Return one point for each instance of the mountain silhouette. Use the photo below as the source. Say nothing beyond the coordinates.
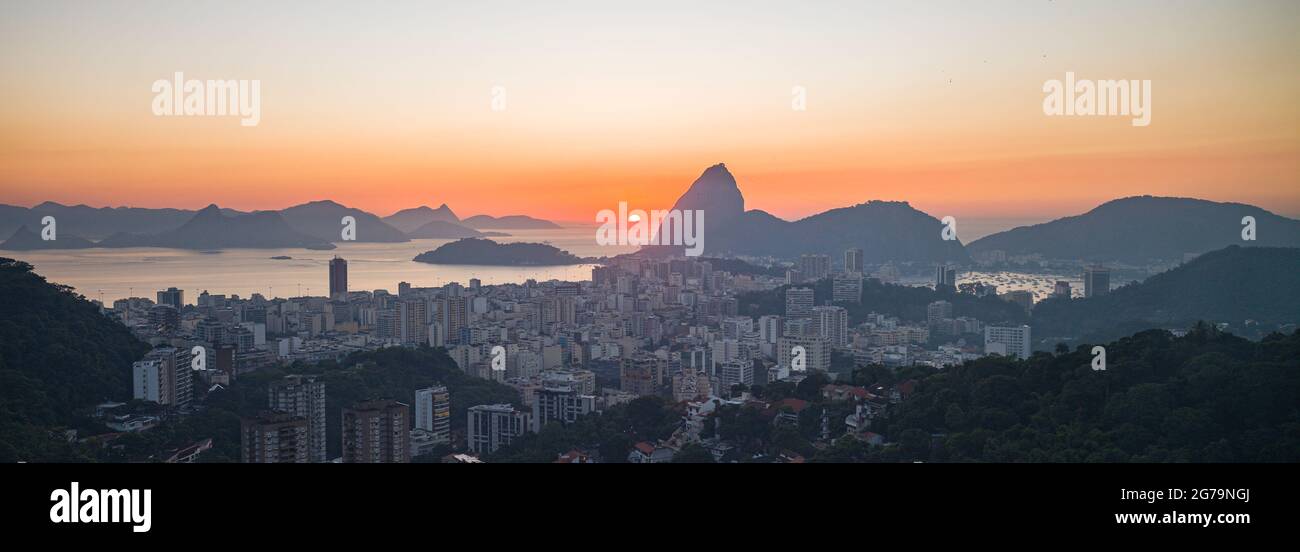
(1141, 228)
(509, 222)
(96, 223)
(25, 239)
(322, 220)
(407, 220)
(211, 229)
(885, 231)
(441, 229)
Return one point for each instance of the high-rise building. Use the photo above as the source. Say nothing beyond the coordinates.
(273, 438)
(936, 313)
(1096, 281)
(413, 320)
(377, 432)
(798, 302)
(847, 288)
(1007, 341)
(492, 426)
(853, 260)
(1062, 289)
(452, 315)
(769, 328)
(736, 372)
(172, 297)
(833, 324)
(816, 352)
(338, 276)
(945, 278)
(164, 376)
(303, 397)
(433, 412)
(814, 267)
(560, 400)
(164, 319)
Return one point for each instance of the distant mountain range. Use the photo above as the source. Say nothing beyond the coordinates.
(884, 230)
(314, 225)
(1137, 229)
(211, 229)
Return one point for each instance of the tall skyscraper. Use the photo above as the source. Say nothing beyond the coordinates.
(338, 276)
(853, 260)
(833, 324)
(433, 412)
(847, 288)
(1007, 341)
(1096, 281)
(304, 397)
(798, 302)
(1062, 289)
(273, 438)
(377, 432)
(945, 278)
(172, 297)
(492, 426)
(452, 315)
(164, 376)
(413, 320)
(814, 267)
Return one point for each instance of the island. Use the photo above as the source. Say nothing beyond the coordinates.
(476, 251)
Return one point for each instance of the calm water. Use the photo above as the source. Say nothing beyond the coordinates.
(113, 274)
(141, 271)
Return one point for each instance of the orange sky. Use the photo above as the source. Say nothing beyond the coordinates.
(388, 107)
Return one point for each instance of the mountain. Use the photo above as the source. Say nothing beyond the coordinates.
(1137, 229)
(716, 193)
(25, 239)
(1208, 396)
(1231, 285)
(884, 230)
(441, 229)
(58, 358)
(210, 229)
(96, 223)
(509, 222)
(322, 220)
(487, 252)
(407, 220)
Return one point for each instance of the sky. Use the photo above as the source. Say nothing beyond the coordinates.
(389, 105)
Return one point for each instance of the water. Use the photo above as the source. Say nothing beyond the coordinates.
(113, 274)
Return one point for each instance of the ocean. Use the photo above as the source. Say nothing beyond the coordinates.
(111, 274)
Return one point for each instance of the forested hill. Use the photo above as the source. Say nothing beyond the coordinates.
(58, 358)
(1205, 397)
(1232, 285)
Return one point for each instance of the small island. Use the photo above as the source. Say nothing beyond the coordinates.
(475, 251)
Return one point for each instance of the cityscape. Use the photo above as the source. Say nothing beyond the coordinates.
(982, 266)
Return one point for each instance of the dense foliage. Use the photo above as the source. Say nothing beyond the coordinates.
(1208, 396)
(58, 358)
(1232, 285)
